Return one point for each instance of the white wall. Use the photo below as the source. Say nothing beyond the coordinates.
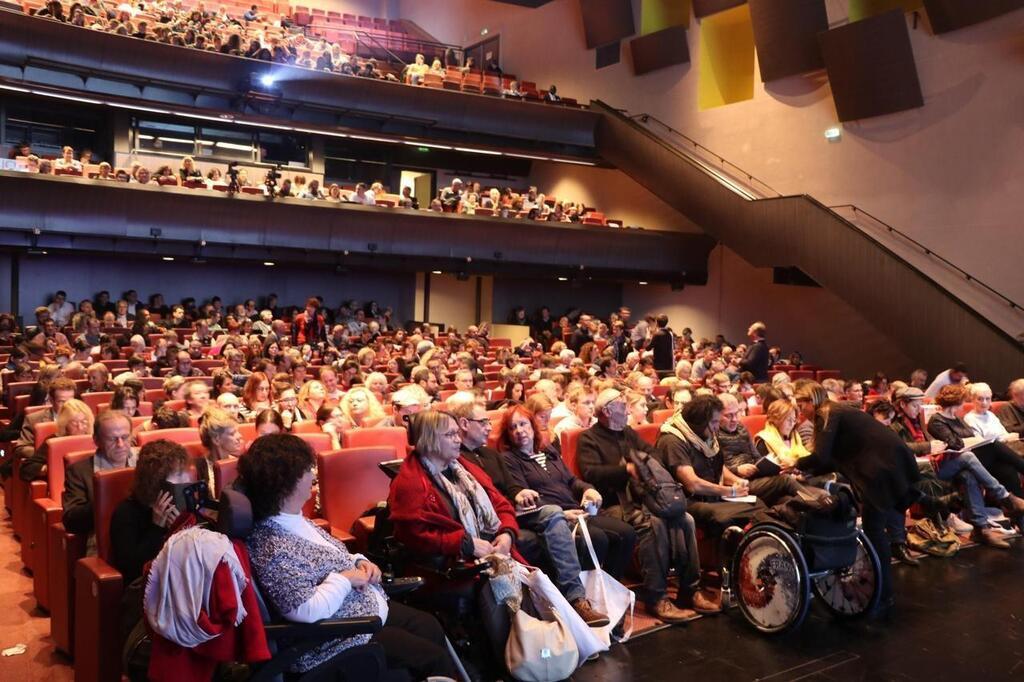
(948, 173)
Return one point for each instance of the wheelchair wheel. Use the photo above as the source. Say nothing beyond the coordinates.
(770, 580)
(852, 591)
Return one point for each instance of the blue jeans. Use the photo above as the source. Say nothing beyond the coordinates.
(555, 536)
(967, 469)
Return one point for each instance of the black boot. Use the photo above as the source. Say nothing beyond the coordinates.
(902, 555)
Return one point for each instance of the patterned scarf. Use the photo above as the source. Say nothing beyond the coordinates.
(678, 427)
(476, 513)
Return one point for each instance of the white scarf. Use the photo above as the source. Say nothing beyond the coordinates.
(179, 583)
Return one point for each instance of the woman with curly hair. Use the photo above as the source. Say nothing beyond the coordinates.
(140, 523)
(361, 408)
(306, 575)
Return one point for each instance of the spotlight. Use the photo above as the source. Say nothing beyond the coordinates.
(267, 80)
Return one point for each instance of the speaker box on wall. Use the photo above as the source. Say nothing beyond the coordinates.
(871, 67)
(659, 49)
(786, 36)
(949, 15)
(703, 8)
(605, 21)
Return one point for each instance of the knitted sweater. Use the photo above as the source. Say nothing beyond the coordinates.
(288, 569)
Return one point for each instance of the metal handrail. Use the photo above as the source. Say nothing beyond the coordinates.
(929, 252)
(645, 118)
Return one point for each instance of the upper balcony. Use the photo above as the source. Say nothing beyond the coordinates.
(36, 51)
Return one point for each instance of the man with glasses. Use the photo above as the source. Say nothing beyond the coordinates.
(604, 460)
(544, 530)
(113, 451)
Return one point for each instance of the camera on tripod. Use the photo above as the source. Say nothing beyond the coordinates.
(232, 174)
(273, 175)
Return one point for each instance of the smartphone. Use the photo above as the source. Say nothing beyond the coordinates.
(188, 497)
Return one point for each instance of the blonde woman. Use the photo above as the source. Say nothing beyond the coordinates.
(74, 419)
(361, 408)
(188, 170)
(219, 434)
(377, 383)
(312, 397)
(636, 407)
(779, 439)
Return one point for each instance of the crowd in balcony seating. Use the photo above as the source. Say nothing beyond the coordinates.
(459, 197)
(491, 473)
(275, 39)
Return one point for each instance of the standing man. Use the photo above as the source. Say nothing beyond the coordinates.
(756, 361)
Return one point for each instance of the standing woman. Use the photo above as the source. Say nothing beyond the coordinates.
(874, 459)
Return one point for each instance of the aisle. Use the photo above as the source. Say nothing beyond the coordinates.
(22, 623)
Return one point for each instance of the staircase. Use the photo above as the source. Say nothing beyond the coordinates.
(935, 312)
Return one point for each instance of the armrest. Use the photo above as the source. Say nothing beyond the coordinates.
(97, 625)
(325, 629)
(342, 535)
(36, 489)
(396, 587)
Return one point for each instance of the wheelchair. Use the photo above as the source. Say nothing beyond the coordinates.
(776, 566)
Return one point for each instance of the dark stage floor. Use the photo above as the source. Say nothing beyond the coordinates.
(958, 619)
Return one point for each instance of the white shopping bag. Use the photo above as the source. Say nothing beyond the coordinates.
(605, 593)
(546, 598)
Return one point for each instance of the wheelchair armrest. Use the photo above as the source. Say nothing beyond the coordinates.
(324, 629)
(462, 571)
(396, 587)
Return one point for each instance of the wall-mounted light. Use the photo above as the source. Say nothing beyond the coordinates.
(268, 263)
(168, 258)
(642, 283)
(834, 134)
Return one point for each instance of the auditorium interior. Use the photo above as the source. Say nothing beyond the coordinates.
(261, 261)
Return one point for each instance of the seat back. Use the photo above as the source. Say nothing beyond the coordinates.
(394, 436)
(93, 400)
(351, 482)
(754, 423)
(248, 432)
(224, 472)
(44, 430)
(185, 435)
(568, 439)
(320, 442)
(648, 432)
(58, 448)
(306, 427)
(110, 488)
(661, 416)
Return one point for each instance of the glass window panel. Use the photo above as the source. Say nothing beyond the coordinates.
(284, 149)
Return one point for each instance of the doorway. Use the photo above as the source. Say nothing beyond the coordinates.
(422, 184)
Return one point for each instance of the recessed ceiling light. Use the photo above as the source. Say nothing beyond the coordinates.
(268, 263)
(168, 258)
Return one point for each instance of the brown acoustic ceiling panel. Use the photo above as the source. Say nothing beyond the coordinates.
(949, 15)
(871, 67)
(703, 8)
(659, 49)
(786, 36)
(605, 21)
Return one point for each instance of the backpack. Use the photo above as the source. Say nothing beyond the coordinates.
(927, 537)
(661, 494)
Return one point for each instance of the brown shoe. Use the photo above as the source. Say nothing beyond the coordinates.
(991, 537)
(707, 600)
(591, 617)
(1013, 505)
(668, 612)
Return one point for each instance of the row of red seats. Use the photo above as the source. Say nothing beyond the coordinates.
(83, 594)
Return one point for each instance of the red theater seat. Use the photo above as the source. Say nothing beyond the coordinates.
(183, 435)
(569, 440)
(379, 436)
(99, 587)
(351, 483)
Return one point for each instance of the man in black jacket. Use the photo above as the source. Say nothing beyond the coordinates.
(756, 361)
(113, 451)
(603, 459)
(61, 390)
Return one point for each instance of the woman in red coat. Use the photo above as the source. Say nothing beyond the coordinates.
(444, 506)
(447, 511)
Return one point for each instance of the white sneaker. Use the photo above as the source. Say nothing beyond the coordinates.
(959, 526)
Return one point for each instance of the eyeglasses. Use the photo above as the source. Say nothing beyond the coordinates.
(453, 435)
(481, 421)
